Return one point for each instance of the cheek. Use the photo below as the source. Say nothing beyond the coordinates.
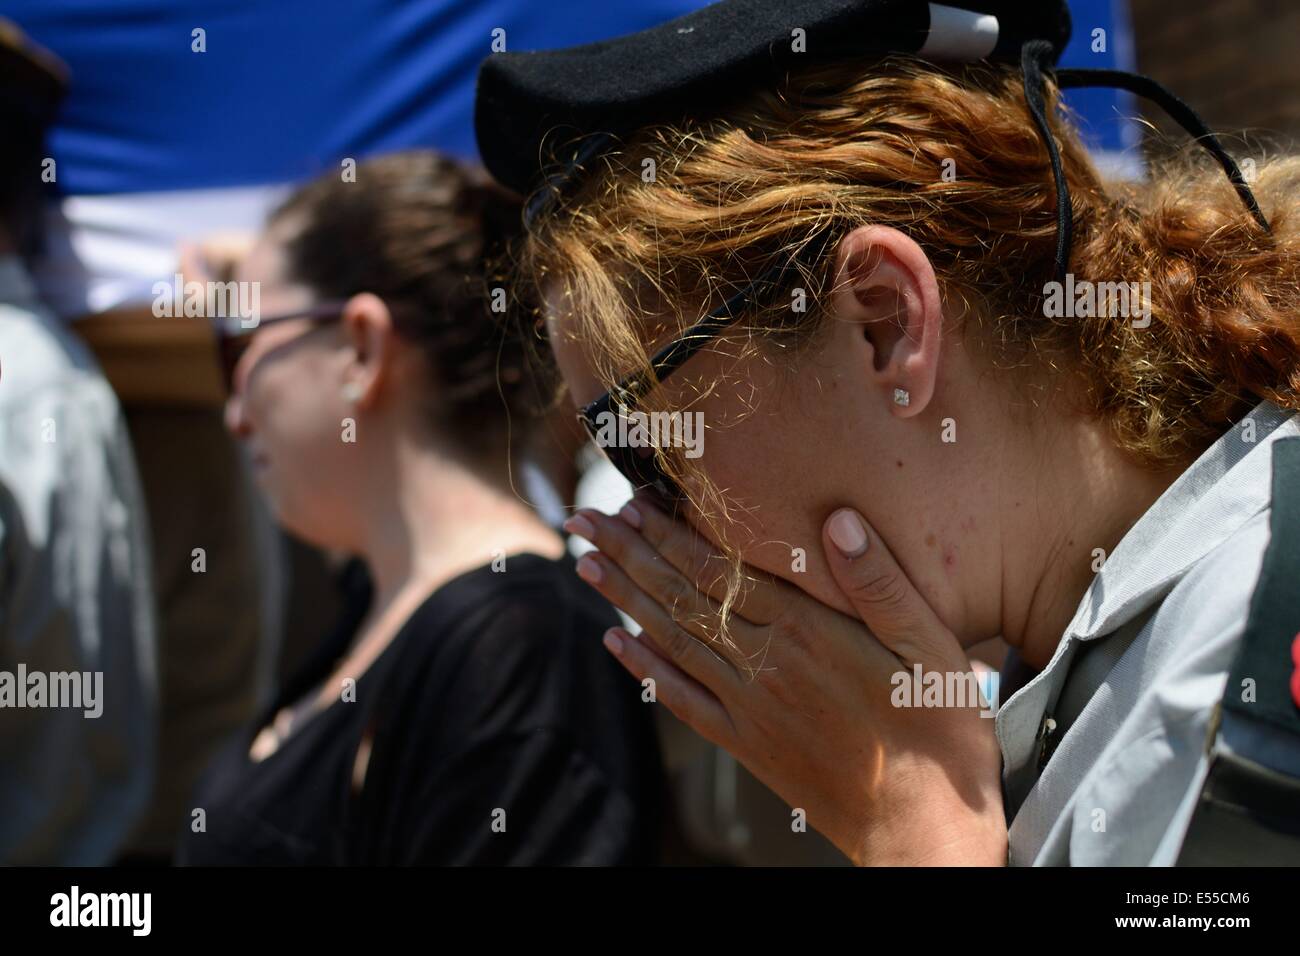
(298, 426)
(775, 502)
(289, 405)
(785, 469)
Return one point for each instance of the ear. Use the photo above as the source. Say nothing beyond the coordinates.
(368, 329)
(885, 286)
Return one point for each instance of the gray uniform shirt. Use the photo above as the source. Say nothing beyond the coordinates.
(75, 596)
(1140, 668)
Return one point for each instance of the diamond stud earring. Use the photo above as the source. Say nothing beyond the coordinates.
(902, 397)
(351, 392)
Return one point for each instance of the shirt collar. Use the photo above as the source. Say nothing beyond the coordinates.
(1221, 491)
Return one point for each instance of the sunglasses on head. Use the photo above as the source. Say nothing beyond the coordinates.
(639, 464)
(233, 338)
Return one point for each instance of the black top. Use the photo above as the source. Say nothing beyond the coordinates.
(495, 708)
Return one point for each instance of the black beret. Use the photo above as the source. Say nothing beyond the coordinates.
(33, 81)
(530, 103)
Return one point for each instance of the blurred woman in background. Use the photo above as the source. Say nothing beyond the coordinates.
(464, 712)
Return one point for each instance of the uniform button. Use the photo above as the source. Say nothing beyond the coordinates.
(1048, 746)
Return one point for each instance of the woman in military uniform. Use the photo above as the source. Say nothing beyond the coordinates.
(915, 441)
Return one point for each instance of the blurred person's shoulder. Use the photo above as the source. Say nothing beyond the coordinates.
(515, 654)
(519, 627)
(502, 696)
(65, 457)
(41, 358)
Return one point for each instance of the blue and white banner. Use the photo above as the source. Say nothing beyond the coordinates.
(189, 117)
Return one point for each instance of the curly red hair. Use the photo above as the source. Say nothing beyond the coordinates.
(842, 146)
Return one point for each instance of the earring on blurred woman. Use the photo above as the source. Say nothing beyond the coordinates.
(902, 397)
(351, 392)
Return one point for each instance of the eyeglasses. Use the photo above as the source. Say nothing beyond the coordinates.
(607, 415)
(233, 338)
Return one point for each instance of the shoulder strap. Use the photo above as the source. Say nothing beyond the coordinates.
(1248, 811)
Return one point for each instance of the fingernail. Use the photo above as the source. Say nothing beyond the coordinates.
(848, 533)
(629, 514)
(613, 642)
(580, 526)
(589, 570)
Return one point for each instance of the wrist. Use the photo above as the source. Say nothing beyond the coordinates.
(938, 835)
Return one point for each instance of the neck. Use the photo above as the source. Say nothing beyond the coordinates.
(1084, 497)
(429, 518)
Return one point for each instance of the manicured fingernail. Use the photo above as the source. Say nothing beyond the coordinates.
(847, 533)
(589, 570)
(580, 526)
(614, 642)
(629, 514)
